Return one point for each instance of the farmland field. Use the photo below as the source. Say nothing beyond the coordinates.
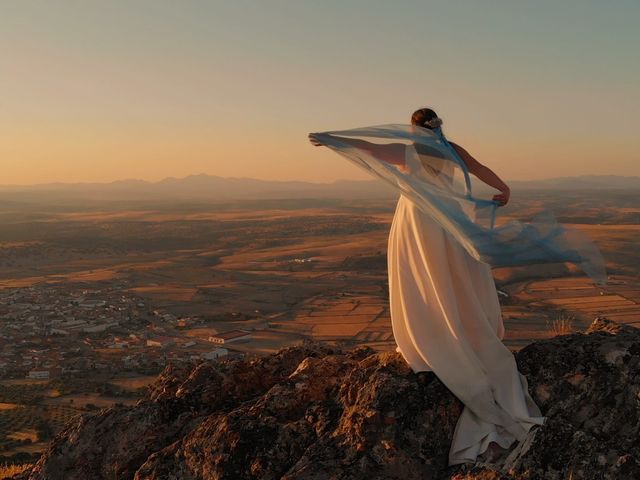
(285, 273)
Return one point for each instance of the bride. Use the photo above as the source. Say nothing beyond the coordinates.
(444, 306)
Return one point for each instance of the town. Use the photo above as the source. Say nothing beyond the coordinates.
(48, 332)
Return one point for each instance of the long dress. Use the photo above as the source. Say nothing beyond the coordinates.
(446, 318)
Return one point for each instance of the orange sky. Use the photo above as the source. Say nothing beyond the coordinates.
(101, 92)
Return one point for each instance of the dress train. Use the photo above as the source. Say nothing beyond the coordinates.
(446, 318)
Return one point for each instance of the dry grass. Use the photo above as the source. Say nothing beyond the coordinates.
(7, 470)
(561, 325)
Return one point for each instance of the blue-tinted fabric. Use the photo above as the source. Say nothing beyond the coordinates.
(424, 167)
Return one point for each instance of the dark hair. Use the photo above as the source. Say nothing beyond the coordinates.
(420, 117)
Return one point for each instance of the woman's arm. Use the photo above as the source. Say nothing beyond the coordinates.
(485, 174)
(389, 152)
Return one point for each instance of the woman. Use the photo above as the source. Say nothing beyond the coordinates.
(445, 312)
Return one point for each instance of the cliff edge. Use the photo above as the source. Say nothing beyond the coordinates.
(317, 412)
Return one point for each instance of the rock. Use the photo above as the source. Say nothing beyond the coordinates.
(592, 387)
(316, 412)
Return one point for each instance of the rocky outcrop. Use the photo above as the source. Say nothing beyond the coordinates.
(316, 412)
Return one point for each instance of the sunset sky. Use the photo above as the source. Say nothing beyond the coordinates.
(96, 91)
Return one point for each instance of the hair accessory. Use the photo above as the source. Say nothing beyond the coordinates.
(434, 122)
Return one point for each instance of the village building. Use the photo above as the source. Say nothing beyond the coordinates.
(38, 374)
(230, 336)
(88, 304)
(215, 353)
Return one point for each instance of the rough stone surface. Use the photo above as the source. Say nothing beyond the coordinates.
(316, 412)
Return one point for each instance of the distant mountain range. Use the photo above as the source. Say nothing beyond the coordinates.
(210, 187)
(198, 187)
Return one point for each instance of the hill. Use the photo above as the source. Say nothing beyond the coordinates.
(214, 188)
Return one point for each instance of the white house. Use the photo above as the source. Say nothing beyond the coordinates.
(215, 353)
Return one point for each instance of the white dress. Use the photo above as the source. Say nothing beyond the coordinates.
(446, 318)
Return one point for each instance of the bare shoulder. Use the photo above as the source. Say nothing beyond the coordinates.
(471, 162)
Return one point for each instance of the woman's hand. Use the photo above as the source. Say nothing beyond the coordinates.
(314, 140)
(503, 197)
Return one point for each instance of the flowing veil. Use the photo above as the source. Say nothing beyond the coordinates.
(442, 189)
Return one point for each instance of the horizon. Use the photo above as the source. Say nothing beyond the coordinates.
(103, 92)
(123, 180)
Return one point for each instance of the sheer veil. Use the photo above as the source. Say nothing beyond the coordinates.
(440, 186)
